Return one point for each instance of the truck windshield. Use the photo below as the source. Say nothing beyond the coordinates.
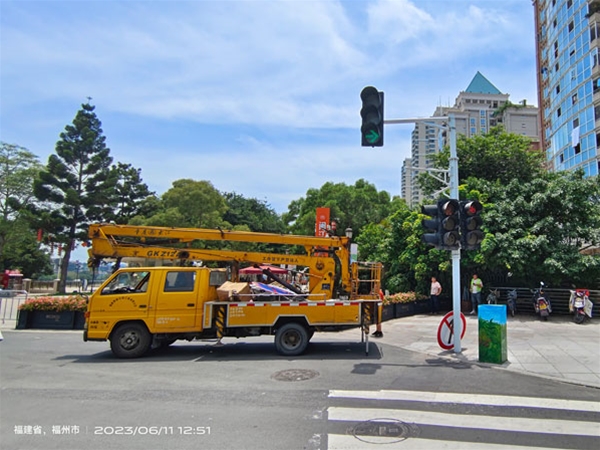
(128, 282)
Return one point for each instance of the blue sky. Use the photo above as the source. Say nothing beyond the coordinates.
(259, 97)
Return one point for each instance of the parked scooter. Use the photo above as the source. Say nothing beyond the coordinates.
(580, 305)
(541, 302)
(511, 302)
(493, 296)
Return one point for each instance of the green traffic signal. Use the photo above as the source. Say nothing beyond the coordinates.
(371, 112)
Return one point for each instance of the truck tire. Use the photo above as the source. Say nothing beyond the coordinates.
(130, 340)
(291, 339)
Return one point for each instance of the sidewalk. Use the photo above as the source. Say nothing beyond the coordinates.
(558, 348)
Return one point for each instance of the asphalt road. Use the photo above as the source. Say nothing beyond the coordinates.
(58, 392)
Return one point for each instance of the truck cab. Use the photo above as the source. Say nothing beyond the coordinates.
(136, 304)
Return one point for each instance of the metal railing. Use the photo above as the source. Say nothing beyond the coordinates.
(9, 303)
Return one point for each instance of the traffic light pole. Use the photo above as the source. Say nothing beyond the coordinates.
(455, 253)
(453, 185)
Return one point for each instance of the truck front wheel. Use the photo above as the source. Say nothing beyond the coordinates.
(291, 339)
(130, 340)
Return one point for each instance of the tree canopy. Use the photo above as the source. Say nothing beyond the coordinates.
(350, 206)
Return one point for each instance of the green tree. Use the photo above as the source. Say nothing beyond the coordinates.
(350, 206)
(256, 214)
(408, 263)
(537, 229)
(189, 204)
(22, 251)
(496, 156)
(18, 245)
(77, 184)
(130, 194)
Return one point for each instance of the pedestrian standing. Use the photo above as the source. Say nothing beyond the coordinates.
(378, 331)
(436, 290)
(475, 288)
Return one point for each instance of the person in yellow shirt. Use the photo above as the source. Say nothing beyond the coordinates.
(475, 289)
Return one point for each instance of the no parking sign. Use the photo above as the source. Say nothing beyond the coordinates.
(445, 334)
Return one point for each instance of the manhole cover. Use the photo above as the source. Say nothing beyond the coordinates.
(294, 375)
(384, 431)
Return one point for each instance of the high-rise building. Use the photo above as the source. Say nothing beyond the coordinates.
(567, 39)
(476, 109)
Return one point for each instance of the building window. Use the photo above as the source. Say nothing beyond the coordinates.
(473, 130)
(569, 3)
(558, 88)
(594, 31)
(574, 98)
(575, 123)
(571, 25)
(556, 67)
(561, 158)
(482, 113)
(558, 112)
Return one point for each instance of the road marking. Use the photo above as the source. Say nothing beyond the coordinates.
(395, 426)
(466, 421)
(482, 399)
(346, 442)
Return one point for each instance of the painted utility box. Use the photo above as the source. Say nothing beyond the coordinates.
(492, 334)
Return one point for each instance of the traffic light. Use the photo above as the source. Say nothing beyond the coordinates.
(444, 222)
(371, 112)
(471, 235)
(449, 224)
(431, 224)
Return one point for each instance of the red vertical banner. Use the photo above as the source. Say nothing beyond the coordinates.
(322, 222)
(40, 235)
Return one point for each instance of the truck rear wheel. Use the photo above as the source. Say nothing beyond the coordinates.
(291, 339)
(130, 340)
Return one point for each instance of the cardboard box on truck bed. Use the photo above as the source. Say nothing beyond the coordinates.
(229, 289)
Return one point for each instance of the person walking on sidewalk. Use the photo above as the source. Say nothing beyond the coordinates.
(475, 288)
(436, 290)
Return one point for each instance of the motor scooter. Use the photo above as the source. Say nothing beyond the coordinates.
(511, 302)
(541, 302)
(580, 305)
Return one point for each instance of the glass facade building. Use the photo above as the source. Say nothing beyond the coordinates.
(567, 37)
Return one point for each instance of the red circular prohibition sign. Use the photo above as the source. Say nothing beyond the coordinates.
(445, 333)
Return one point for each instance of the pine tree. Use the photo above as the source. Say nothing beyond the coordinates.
(76, 185)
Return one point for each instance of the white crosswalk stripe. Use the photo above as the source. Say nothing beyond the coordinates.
(368, 419)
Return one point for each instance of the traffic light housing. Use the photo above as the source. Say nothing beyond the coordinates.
(449, 225)
(371, 130)
(444, 223)
(431, 224)
(471, 235)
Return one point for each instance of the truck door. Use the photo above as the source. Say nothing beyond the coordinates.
(176, 301)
